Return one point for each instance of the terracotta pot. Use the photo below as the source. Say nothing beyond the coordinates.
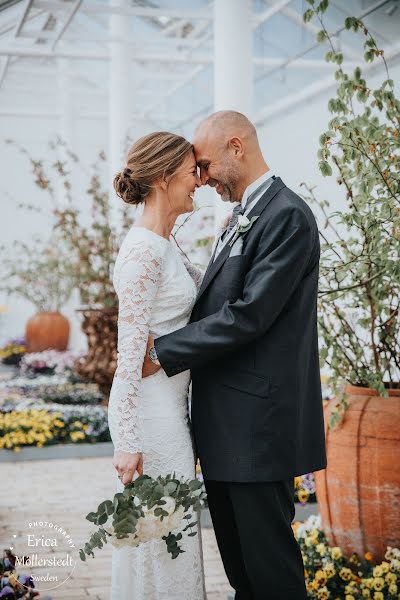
(47, 330)
(359, 492)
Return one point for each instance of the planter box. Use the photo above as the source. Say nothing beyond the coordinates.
(58, 451)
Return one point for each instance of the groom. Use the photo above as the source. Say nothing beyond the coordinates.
(252, 348)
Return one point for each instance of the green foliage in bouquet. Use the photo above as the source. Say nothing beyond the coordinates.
(147, 509)
(359, 299)
(87, 224)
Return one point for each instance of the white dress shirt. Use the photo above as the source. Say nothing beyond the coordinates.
(247, 192)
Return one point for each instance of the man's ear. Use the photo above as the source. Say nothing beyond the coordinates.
(236, 146)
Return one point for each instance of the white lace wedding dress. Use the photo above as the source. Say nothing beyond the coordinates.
(156, 295)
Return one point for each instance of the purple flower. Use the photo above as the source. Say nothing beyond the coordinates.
(7, 592)
(26, 580)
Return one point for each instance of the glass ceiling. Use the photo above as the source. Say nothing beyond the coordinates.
(172, 53)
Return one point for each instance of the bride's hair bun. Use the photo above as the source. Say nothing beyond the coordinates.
(152, 157)
(127, 188)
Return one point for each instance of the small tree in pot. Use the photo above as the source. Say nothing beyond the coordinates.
(359, 305)
(91, 238)
(39, 272)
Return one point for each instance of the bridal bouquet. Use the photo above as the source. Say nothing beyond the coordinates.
(147, 509)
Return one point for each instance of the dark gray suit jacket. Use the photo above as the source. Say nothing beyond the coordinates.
(252, 348)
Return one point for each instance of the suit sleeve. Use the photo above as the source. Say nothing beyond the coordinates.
(284, 251)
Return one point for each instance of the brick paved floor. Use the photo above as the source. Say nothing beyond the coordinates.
(65, 491)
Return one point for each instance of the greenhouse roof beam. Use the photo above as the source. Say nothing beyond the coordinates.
(20, 24)
(67, 23)
(270, 12)
(316, 88)
(91, 6)
(13, 50)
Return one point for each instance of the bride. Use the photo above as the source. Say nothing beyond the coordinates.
(148, 418)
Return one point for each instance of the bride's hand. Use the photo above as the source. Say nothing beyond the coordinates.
(126, 464)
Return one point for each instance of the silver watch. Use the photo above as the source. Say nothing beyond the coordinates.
(153, 356)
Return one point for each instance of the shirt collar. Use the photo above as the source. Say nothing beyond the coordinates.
(253, 186)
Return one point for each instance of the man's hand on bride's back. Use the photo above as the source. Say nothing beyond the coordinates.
(126, 464)
(149, 367)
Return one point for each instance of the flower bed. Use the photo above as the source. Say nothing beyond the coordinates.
(13, 351)
(329, 575)
(13, 585)
(49, 362)
(39, 424)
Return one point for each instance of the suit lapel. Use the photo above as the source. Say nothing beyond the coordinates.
(258, 208)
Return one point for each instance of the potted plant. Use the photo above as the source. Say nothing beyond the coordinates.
(40, 273)
(359, 305)
(91, 232)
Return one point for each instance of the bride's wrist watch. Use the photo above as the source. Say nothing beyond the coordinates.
(153, 356)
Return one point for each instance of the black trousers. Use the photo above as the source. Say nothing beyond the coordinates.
(252, 524)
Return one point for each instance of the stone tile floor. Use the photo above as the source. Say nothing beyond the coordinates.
(64, 491)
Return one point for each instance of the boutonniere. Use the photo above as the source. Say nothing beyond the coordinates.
(242, 226)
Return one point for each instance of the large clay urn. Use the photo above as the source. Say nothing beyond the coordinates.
(47, 330)
(359, 492)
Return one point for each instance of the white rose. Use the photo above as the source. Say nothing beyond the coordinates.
(243, 221)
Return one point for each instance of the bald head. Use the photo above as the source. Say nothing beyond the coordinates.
(228, 153)
(228, 123)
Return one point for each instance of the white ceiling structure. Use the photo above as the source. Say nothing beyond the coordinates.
(79, 59)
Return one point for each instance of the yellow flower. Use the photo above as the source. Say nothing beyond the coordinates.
(390, 578)
(377, 571)
(303, 495)
(310, 586)
(345, 574)
(368, 556)
(329, 570)
(321, 577)
(366, 593)
(336, 553)
(297, 481)
(385, 567)
(392, 588)
(379, 584)
(323, 593)
(379, 596)
(314, 536)
(77, 435)
(369, 582)
(321, 549)
(349, 597)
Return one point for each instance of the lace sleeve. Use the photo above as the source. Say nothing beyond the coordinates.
(136, 281)
(195, 273)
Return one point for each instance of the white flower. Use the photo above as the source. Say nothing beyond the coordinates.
(242, 221)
